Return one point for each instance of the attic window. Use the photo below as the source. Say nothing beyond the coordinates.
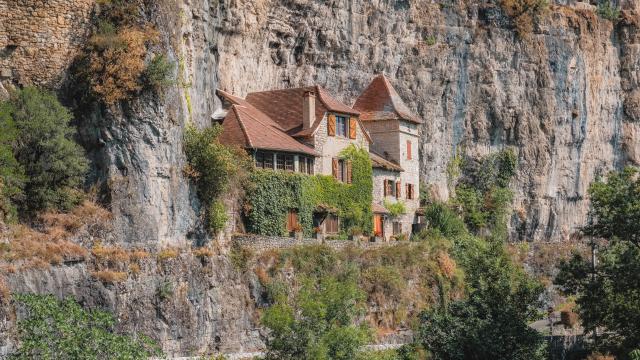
(341, 126)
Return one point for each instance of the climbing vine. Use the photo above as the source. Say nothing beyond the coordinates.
(273, 193)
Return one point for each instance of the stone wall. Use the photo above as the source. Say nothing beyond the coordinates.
(262, 243)
(39, 38)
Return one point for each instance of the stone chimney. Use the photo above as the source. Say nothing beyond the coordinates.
(308, 109)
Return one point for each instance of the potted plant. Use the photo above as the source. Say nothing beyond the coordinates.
(317, 232)
(297, 232)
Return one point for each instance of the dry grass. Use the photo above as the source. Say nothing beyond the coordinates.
(5, 292)
(168, 253)
(138, 255)
(109, 276)
(134, 268)
(203, 252)
(35, 248)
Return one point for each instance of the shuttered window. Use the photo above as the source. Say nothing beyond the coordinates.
(409, 191)
(331, 125)
(389, 188)
(398, 188)
(409, 156)
(341, 126)
(331, 224)
(352, 128)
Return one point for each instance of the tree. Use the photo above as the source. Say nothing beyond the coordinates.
(11, 173)
(53, 163)
(607, 294)
(491, 323)
(317, 321)
(54, 329)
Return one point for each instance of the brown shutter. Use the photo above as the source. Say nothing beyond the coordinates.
(352, 128)
(408, 149)
(334, 168)
(398, 188)
(349, 172)
(331, 125)
(384, 184)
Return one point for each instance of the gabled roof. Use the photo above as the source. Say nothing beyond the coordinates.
(380, 101)
(379, 162)
(285, 106)
(246, 127)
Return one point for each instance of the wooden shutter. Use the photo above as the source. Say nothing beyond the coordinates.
(331, 125)
(384, 185)
(352, 128)
(349, 172)
(398, 188)
(334, 167)
(408, 149)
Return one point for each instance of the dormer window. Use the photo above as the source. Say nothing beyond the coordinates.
(341, 126)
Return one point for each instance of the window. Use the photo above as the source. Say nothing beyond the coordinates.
(289, 162)
(389, 188)
(268, 161)
(331, 224)
(397, 228)
(408, 149)
(280, 162)
(292, 220)
(310, 164)
(341, 170)
(259, 160)
(341, 126)
(410, 191)
(302, 164)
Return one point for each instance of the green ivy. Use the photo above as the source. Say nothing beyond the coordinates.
(395, 209)
(273, 193)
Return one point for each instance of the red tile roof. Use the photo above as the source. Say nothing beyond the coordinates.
(380, 101)
(285, 106)
(379, 162)
(246, 127)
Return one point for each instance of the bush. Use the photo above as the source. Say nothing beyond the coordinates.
(53, 163)
(608, 11)
(56, 329)
(213, 167)
(159, 72)
(395, 209)
(523, 13)
(11, 173)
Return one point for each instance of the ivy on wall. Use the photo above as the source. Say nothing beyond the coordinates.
(273, 193)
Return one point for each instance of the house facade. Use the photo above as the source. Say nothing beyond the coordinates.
(305, 130)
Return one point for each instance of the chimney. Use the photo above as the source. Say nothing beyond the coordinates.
(308, 109)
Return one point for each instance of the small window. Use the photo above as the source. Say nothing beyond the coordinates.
(341, 126)
(268, 160)
(302, 164)
(408, 149)
(259, 160)
(310, 165)
(409, 191)
(389, 188)
(289, 162)
(397, 228)
(280, 162)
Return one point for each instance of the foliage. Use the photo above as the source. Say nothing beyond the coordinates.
(523, 13)
(159, 72)
(395, 209)
(213, 167)
(317, 322)
(274, 193)
(114, 64)
(483, 195)
(53, 163)
(607, 295)
(441, 218)
(492, 321)
(608, 11)
(430, 40)
(11, 173)
(56, 329)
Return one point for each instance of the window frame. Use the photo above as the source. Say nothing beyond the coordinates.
(341, 126)
(280, 161)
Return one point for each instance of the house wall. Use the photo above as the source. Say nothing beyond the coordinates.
(331, 146)
(389, 139)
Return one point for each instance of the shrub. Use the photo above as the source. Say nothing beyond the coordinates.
(159, 72)
(213, 166)
(64, 330)
(523, 13)
(168, 253)
(395, 209)
(608, 11)
(53, 163)
(11, 173)
(240, 256)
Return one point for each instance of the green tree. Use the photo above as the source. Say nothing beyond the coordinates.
(54, 165)
(607, 294)
(54, 329)
(491, 323)
(317, 322)
(11, 173)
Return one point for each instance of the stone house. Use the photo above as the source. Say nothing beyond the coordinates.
(305, 129)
